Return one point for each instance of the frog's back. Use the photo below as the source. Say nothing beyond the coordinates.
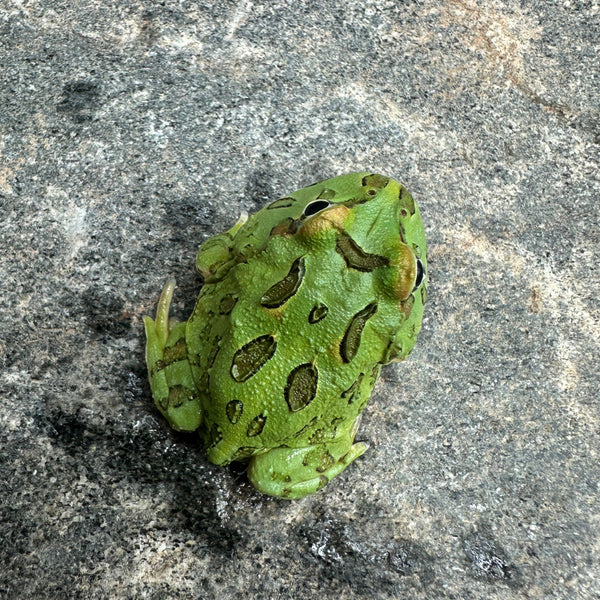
(305, 321)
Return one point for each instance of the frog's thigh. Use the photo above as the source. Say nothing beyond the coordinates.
(296, 472)
(171, 381)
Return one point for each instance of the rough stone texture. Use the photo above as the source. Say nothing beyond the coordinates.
(131, 130)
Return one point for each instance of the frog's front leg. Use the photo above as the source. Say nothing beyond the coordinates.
(216, 255)
(171, 381)
(293, 473)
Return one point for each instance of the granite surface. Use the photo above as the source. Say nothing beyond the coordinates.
(132, 130)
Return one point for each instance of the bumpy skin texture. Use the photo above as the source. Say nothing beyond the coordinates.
(301, 305)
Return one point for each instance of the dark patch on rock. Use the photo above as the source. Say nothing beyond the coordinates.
(81, 99)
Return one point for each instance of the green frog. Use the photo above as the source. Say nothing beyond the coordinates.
(302, 303)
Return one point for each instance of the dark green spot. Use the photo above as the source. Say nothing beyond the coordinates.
(378, 182)
(215, 435)
(214, 350)
(206, 319)
(354, 201)
(256, 426)
(204, 382)
(159, 365)
(177, 351)
(322, 435)
(301, 387)
(356, 257)
(283, 290)
(194, 359)
(281, 203)
(320, 458)
(335, 422)
(249, 359)
(407, 204)
(351, 341)
(227, 303)
(164, 402)
(179, 395)
(317, 313)
(375, 374)
(243, 452)
(234, 410)
(318, 437)
(308, 426)
(407, 305)
(326, 461)
(353, 390)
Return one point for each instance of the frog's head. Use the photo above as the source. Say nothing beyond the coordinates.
(378, 228)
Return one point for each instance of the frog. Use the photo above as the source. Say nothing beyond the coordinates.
(301, 305)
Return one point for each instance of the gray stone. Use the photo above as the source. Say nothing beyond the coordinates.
(130, 131)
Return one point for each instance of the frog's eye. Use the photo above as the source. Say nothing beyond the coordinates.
(420, 274)
(314, 207)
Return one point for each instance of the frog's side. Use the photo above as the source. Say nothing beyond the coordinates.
(302, 304)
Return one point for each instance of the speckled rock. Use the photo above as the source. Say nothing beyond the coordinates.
(132, 130)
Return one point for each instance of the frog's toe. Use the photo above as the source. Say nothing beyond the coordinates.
(293, 473)
(161, 324)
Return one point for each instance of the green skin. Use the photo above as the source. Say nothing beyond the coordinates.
(301, 305)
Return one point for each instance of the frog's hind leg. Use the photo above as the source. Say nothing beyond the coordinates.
(169, 372)
(293, 473)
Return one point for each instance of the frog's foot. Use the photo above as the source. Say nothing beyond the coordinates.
(293, 473)
(169, 372)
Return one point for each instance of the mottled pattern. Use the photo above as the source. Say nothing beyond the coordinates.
(283, 290)
(249, 359)
(234, 410)
(481, 481)
(256, 426)
(301, 387)
(304, 310)
(350, 343)
(281, 203)
(317, 313)
(356, 257)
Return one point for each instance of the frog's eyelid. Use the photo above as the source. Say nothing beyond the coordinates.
(314, 207)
